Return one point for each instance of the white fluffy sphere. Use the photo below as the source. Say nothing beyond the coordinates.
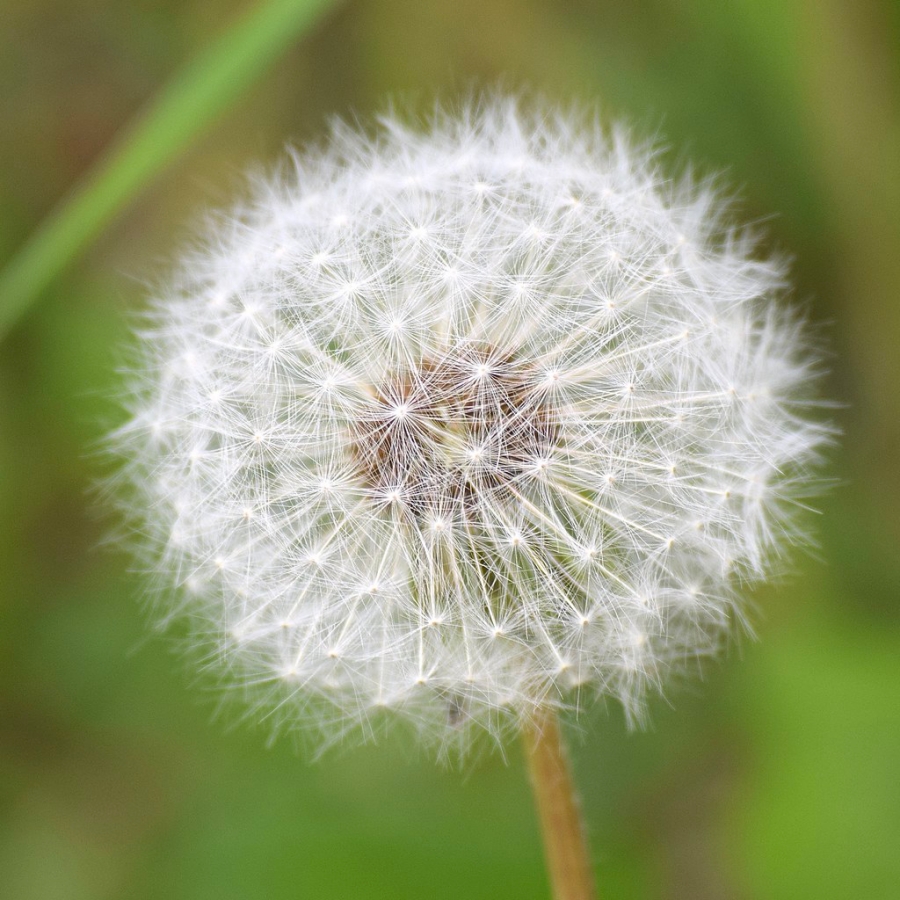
(464, 422)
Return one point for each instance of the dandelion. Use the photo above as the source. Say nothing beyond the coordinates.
(462, 426)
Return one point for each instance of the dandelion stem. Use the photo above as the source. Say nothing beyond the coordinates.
(565, 844)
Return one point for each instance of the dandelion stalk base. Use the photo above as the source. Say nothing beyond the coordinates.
(565, 844)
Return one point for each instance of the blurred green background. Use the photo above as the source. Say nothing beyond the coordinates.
(779, 777)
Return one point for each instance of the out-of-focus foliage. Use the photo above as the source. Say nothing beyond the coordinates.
(184, 108)
(776, 778)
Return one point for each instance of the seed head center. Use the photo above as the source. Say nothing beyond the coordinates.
(452, 431)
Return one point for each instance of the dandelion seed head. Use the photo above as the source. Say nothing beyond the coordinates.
(447, 425)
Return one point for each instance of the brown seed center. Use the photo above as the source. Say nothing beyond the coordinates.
(448, 434)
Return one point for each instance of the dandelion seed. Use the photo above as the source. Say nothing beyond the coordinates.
(522, 415)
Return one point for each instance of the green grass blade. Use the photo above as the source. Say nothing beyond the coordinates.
(180, 112)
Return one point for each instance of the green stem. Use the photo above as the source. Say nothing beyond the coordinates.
(565, 844)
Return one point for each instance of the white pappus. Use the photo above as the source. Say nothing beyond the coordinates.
(461, 422)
